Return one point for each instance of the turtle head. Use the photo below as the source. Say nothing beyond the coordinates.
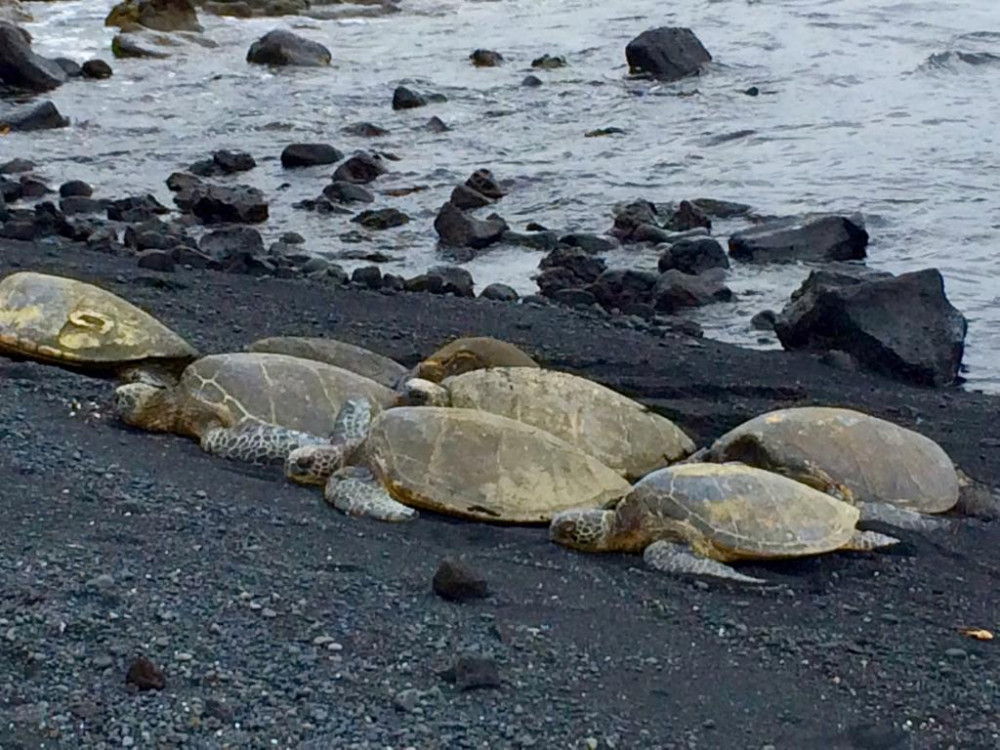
(420, 392)
(587, 529)
(313, 464)
(133, 401)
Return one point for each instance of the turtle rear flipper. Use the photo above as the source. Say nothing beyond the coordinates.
(677, 559)
(255, 443)
(901, 518)
(354, 491)
(865, 541)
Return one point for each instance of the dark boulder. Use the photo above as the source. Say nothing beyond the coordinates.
(215, 204)
(362, 168)
(4, 211)
(666, 53)
(826, 238)
(455, 582)
(20, 68)
(499, 293)
(484, 183)
(16, 166)
(531, 82)
(125, 47)
(156, 260)
(404, 98)
(623, 288)
(75, 188)
(572, 297)
(465, 197)
(223, 163)
(382, 218)
(281, 47)
(590, 243)
(486, 58)
(347, 192)
(135, 209)
(41, 116)
(71, 68)
(369, 277)
(443, 280)
(223, 243)
(631, 216)
(159, 15)
(549, 62)
(309, 155)
(688, 216)
(693, 256)
(96, 70)
(568, 268)
(32, 187)
(457, 229)
(546, 241)
(903, 327)
(675, 290)
(721, 209)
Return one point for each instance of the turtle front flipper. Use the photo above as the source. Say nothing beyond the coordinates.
(865, 541)
(256, 443)
(901, 518)
(354, 491)
(350, 428)
(677, 559)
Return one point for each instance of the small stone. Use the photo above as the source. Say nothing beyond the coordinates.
(454, 582)
(144, 675)
(531, 81)
(955, 653)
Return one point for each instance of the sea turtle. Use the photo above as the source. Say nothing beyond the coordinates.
(381, 369)
(619, 432)
(694, 518)
(249, 406)
(66, 322)
(890, 473)
(461, 462)
(470, 353)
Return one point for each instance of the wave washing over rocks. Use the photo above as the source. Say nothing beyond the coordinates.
(805, 108)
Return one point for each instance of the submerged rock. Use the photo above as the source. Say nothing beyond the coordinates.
(486, 58)
(123, 47)
(281, 47)
(41, 116)
(404, 98)
(827, 238)
(20, 68)
(309, 155)
(903, 327)
(159, 15)
(362, 168)
(666, 53)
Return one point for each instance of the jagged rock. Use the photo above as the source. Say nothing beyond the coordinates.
(309, 155)
(20, 68)
(281, 47)
(693, 256)
(826, 238)
(135, 209)
(903, 327)
(675, 290)
(623, 289)
(223, 163)
(484, 183)
(465, 197)
(217, 204)
(568, 268)
(457, 229)
(666, 53)
(688, 216)
(159, 15)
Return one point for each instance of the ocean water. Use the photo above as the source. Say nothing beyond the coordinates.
(889, 109)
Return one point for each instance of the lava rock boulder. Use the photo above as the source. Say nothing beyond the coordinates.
(281, 47)
(827, 238)
(666, 53)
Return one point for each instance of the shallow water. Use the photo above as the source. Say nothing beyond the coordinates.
(887, 108)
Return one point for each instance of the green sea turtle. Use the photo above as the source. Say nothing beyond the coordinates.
(694, 518)
(621, 433)
(470, 353)
(249, 406)
(381, 369)
(460, 462)
(890, 473)
(66, 322)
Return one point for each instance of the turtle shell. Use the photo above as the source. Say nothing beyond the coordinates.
(473, 464)
(877, 460)
(300, 394)
(741, 511)
(338, 353)
(62, 320)
(619, 432)
(471, 353)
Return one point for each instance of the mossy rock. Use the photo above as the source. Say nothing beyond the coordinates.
(159, 15)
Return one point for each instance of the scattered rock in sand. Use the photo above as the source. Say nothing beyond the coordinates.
(456, 582)
(144, 675)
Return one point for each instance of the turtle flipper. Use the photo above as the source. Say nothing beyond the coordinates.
(255, 443)
(351, 425)
(677, 559)
(355, 491)
(865, 541)
(901, 518)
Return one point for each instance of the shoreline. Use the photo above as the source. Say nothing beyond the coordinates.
(280, 623)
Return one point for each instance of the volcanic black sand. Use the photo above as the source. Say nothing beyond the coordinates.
(280, 623)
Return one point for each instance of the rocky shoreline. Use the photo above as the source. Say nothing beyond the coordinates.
(278, 623)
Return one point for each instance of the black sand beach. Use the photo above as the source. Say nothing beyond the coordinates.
(280, 623)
